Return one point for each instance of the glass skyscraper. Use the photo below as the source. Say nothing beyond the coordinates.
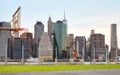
(60, 30)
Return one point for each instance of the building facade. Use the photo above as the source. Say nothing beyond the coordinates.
(70, 40)
(60, 31)
(45, 47)
(97, 46)
(20, 45)
(4, 36)
(38, 31)
(80, 45)
(114, 46)
(29, 35)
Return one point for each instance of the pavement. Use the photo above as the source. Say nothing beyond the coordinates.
(79, 72)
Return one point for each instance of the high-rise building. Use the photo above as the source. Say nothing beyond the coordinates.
(50, 28)
(38, 31)
(70, 40)
(45, 47)
(97, 46)
(60, 31)
(113, 36)
(80, 44)
(28, 35)
(114, 45)
(4, 35)
(16, 18)
(17, 49)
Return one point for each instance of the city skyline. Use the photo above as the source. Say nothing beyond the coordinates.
(82, 15)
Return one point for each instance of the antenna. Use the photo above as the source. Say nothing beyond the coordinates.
(64, 14)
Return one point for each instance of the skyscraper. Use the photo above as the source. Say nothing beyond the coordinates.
(16, 18)
(114, 46)
(113, 36)
(50, 28)
(97, 45)
(28, 36)
(17, 44)
(70, 40)
(80, 44)
(60, 31)
(38, 30)
(4, 35)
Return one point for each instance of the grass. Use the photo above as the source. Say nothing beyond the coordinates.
(47, 68)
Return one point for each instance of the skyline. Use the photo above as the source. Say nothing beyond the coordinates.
(82, 15)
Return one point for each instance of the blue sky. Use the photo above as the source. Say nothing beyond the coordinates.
(82, 15)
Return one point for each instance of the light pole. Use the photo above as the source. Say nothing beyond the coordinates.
(83, 54)
(107, 56)
(22, 54)
(56, 55)
(77, 49)
(116, 56)
(6, 54)
(70, 52)
(94, 55)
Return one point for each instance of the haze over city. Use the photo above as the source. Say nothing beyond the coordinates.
(82, 15)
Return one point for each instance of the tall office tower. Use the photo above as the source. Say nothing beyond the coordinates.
(45, 47)
(70, 40)
(80, 44)
(28, 35)
(4, 35)
(97, 46)
(16, 18)
(50, 28)
(60, 31)
(17, 49)
(114, 45)
(38, 31)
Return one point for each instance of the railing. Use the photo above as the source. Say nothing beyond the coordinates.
(59, 61)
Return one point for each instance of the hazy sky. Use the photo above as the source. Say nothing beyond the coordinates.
(82, 15)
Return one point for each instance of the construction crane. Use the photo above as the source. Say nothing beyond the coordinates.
(12, 29)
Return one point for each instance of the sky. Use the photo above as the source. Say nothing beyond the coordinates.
(82, 15)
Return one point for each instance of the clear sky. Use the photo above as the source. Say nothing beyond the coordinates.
(82, 15)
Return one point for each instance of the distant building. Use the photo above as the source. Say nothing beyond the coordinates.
(97, 46)
(17, 44)
(45, 47)
(114, 45)
(80, 44)
(70, 40)
(4, 36)
(28, 35)
(60, 31)
(38, 31)
(50, 28)
(16, 18)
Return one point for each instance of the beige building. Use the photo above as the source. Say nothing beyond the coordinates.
(45, 50)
